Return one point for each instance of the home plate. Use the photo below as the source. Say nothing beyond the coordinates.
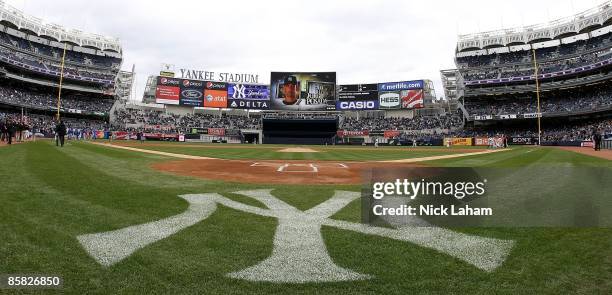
(300, 167)
(297, 150)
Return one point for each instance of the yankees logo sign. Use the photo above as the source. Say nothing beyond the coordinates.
(299, 254)
(248, 92)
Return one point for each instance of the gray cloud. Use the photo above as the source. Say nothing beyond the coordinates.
(364, 41)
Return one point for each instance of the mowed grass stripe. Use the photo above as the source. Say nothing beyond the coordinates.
(52, 195)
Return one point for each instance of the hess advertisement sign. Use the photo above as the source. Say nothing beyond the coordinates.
(389, 100)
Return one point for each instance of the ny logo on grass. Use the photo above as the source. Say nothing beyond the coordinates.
(299, 254)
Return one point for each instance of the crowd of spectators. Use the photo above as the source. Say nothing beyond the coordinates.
(550, 59)
(542, 54)
(550, 132)
(416, 123)
(44, 125)
(45, 100)
(47, 58)
(564, 101)
(125, 118)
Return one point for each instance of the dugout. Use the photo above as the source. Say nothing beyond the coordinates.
(299, 130)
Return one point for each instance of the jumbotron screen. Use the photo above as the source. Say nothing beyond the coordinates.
(315, 91)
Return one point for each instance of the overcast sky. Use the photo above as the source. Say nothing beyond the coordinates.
(363, 41)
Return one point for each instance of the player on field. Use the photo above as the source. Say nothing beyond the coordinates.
(60, 132)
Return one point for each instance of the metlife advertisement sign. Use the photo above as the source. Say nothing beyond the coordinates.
(397, 86)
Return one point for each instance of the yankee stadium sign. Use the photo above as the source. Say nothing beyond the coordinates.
(221, 77)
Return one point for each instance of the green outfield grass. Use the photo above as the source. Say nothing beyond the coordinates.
(50, 195)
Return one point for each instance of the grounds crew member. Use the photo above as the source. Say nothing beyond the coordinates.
(60, 132)
(3, 130)
(11, 128)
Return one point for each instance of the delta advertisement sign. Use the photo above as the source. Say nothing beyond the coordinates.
(248, 96)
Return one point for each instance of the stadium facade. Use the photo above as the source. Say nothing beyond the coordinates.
(493, 92)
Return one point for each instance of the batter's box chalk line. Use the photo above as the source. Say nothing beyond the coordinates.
(303, 167)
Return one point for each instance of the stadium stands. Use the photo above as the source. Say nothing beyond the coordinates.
(591, 98)
(567, 132)
(44, 125)
(498, 85)
(30, 68)
(41, 99)
(417, 123)
(132, 119)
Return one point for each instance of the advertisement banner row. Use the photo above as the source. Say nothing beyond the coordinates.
(193, 93)
(507, 116)
(364, 133)
(312, 91)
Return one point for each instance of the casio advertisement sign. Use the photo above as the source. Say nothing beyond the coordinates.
(357, 105)
(389, 100)
(405, 85)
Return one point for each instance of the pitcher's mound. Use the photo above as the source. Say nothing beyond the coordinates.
(297, 150)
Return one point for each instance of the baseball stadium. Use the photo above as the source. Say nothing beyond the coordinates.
(302, 181)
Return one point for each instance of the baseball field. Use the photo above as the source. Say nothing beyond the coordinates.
(177, 218)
